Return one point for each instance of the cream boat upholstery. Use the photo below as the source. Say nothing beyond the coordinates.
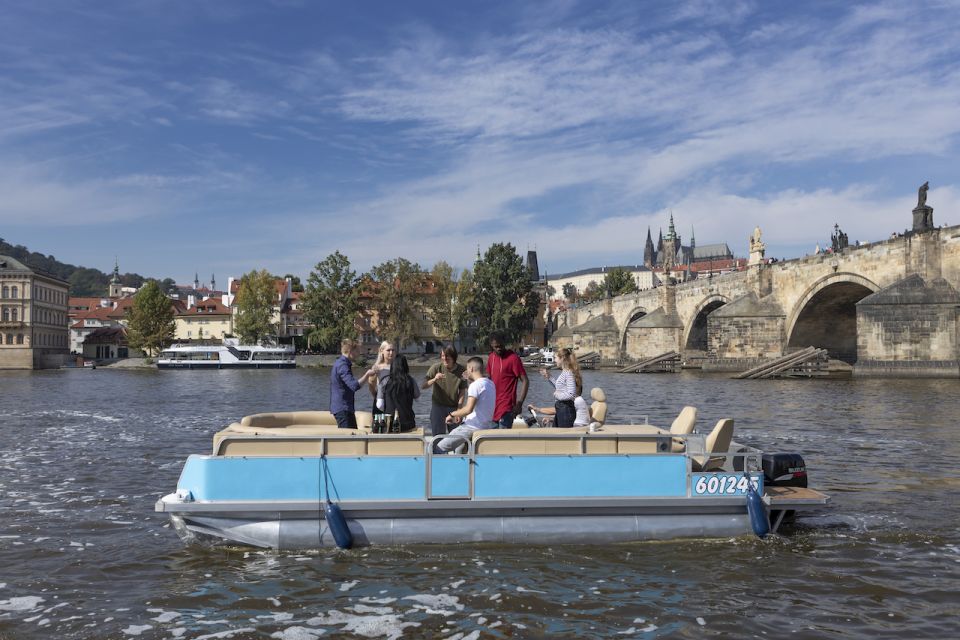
(297, 433)
(598, 408)
(717, 442)
(288, 418)
(683, 425)
(612, 439)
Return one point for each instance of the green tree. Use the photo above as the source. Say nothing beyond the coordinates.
(397, 286)
(569, 292)
(443, 300)
(254, 307)
(330, 301)
(150, 325)
(503, 295)
(592, 292)
(618, 282)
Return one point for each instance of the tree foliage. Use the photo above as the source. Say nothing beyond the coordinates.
(449, 304)
(503, 295)
(592, 292)
(330, 301)
(569, 291)
(150, 325)
(397, 289)
(256, 295)
(618, 282)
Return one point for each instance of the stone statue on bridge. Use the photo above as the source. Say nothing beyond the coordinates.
(922, 213)
(757, 248)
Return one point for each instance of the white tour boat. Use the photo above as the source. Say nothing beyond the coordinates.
(229, 355)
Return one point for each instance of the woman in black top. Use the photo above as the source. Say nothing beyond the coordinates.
(401, 390)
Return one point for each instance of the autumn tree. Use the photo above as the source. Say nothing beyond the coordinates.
(397, 289)
(330, 301)
(256, 296)
(150, 325)
(503, 295)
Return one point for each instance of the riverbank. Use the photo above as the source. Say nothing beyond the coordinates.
(420, 361)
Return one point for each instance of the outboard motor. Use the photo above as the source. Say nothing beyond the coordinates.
(784, 470)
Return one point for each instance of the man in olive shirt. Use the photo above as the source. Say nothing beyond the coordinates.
(446, 378)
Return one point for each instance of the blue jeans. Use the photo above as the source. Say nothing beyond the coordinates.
(346, 419)
(505, 421)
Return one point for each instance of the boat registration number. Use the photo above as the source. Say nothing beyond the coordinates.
(722, 484)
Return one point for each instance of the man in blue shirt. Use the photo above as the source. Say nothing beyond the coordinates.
(343, 385)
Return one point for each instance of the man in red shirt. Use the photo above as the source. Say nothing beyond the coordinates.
(505, 370)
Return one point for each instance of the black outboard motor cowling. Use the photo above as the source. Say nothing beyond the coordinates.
(784, 470)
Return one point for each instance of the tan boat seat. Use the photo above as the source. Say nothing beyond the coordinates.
(609, 440)
(717, 442)
(598, 408)
(304, 440)
(683, 425)
(282, 419)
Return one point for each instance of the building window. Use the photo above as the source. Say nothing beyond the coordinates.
(6, 291)
(19, 338)
(9, 338)
(14, 292)
(6, 315)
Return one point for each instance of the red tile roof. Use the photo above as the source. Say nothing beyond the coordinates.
(209, 307)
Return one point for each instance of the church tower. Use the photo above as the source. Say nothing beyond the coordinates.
(649, 253)
(115, 288)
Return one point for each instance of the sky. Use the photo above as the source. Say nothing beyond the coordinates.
(220, 136)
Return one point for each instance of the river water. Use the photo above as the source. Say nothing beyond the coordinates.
(86, 453)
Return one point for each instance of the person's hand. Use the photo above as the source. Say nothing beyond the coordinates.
(451, 419)
(517, 408)
(530, 407)
(438, 377)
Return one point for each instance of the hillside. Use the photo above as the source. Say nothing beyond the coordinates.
(83, 281)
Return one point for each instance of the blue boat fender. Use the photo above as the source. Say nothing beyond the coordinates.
(757, 511)
(338, 526)
(336, 521)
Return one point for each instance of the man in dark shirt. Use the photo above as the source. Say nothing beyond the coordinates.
(506, 370)
(343, 385)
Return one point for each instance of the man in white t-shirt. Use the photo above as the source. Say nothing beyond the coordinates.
(477, 410)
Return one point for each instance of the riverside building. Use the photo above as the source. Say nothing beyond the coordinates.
(33, 317)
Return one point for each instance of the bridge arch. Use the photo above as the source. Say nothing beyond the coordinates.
(635, 314)
(826, 315)
(695, 333)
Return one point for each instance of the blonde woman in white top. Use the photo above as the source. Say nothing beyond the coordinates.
(567, 386)
(385, 355)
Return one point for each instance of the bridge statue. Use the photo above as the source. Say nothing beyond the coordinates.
(922, 213)
(757, 248)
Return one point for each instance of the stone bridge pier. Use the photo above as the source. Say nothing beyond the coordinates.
(888, 308)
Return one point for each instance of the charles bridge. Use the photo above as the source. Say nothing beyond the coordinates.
(888, 308)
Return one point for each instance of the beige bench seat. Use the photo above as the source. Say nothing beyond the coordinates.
(275, 435)
(611, 439)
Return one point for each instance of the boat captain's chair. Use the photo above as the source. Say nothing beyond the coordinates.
(717, 442)
(598, 408)
(682, 425)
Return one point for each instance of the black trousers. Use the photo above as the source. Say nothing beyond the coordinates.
(566, 413)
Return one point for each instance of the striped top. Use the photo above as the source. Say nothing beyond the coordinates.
(565, 386)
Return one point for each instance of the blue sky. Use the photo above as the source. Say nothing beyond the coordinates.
(222, 136)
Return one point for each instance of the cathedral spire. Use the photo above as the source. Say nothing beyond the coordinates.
(649, 253)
